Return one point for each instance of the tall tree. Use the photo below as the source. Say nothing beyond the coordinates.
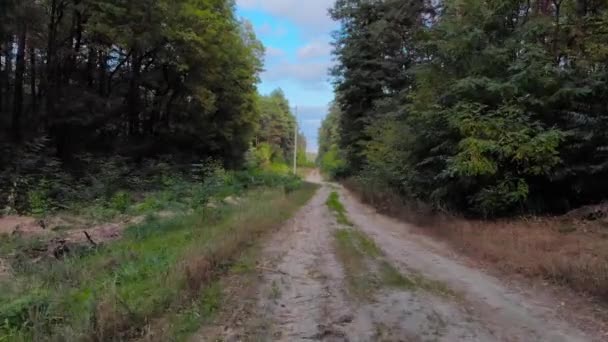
(489, 107)
(138, 78)
(19, 79)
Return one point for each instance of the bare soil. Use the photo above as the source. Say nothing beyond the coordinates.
(71, 230)
(302, 293)
(59, 234)
(20, 225)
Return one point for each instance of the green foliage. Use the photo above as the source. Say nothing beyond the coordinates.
(332, 164)
(161, 268)
(467, 108)
(274, 142)
(263, 155)
(39, 200)
(120, 201)
(17, 313)
(143, 80)
(334, 204)
(188, 321)
(330, 158)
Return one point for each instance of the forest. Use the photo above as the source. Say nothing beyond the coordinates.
(106, 90)
(146, 186)
(139, 164)
(488, 108)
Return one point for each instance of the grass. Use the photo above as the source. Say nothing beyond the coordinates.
(334, 204)
(160, 277)
(361, 280)
(393, 278)
(275, 290)
(366, 267)
(563, 250)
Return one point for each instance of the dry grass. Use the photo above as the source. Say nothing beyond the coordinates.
(561, 250)
(163, 270)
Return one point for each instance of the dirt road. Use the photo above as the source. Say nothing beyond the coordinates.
(304, 293)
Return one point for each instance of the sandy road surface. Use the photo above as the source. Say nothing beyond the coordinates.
(303, 295)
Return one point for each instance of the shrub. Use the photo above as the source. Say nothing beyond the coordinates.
(39, 200)
(333, 164)
(120, 201)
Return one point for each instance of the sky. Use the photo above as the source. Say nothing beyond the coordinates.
(297, 35)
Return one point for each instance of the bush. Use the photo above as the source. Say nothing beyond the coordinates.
(39, 202)
(333, 164)
(120, 201)
(18, 312)
(263, 155)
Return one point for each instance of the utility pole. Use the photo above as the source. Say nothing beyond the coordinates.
(295, 146)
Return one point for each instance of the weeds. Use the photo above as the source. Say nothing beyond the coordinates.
(361, 280)
(120, 202)
(275, 290)
(334, 204)
(161, 268)
(188, 320)
(366, 267)
(38, 199)
(393, 278)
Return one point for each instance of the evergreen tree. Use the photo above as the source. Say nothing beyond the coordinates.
(492, 107)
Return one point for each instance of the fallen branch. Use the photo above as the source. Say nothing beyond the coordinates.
(90, 238)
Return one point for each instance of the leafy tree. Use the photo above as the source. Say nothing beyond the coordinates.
(330, 156)
(277, 125)
(136, 79)
(490, 108)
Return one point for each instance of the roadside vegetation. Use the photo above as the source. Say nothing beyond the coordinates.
(162, 271)
(569, 250)
(334, 204)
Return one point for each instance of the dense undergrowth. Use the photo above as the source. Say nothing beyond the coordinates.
(112, 186)
(159, 279)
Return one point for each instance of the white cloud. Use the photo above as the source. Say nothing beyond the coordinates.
(274, 52)
(312, 14)
(311, 72)
(268, 30)
(315, 49)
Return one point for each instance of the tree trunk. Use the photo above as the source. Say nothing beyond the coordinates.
(19, 72)
(8, 69)
(102, 74)
(50, 81)
(91, 60)
(133, 97)
(581, 7)
(33, 79)
(1, 81)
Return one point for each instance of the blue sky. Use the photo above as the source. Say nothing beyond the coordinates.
(296, 34)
